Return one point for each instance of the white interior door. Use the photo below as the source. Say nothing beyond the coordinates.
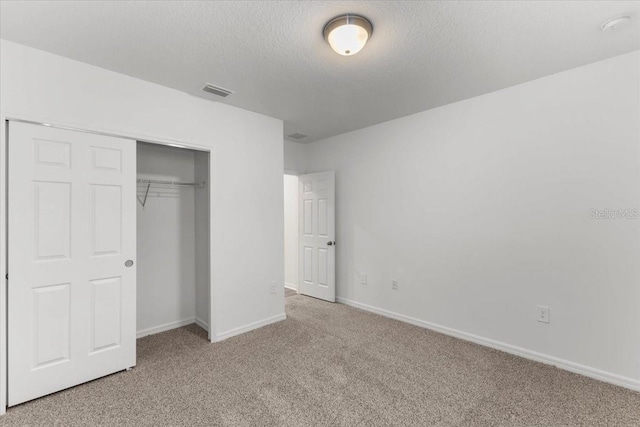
(317, 260)
(72, 219)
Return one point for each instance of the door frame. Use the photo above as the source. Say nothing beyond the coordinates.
(296, 174)
(4, 135)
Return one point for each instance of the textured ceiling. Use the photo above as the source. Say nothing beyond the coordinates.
(272, 54)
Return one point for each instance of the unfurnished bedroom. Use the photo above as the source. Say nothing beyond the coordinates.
(320, 213)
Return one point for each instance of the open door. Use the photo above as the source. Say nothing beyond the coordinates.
(317, 260)
(72, 241)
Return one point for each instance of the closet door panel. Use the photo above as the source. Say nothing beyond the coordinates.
(71, 314)
(52, 220)
(51, 319)
(106, 313)
(106, 220)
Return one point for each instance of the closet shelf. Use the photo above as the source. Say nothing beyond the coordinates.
(160, 183)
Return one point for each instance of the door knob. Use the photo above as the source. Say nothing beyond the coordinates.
(330, 243)
(128, 263)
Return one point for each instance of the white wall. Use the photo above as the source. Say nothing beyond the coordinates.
(166, 245)
(294, 157)
(247, 218)
(481, 210)
(291, 231)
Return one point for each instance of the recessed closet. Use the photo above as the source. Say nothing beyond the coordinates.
(172, 238)
(110, 240)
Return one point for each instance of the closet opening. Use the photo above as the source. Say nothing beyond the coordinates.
(173, 248)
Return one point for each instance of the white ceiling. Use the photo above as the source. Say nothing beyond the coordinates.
(272, 54)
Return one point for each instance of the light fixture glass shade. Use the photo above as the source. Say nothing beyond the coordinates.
(348, 34)
(614, 23)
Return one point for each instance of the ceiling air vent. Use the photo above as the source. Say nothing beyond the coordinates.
(217, 90)
(297, 135)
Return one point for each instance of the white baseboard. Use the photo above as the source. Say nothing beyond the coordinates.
(204, 325)
(165, 327)
(566, 365)
(291, 286)
(249, 327)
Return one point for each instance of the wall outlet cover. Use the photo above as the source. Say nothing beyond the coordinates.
(394, 285)
(363, 279)
(543, 313)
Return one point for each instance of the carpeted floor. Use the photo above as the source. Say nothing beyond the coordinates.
(328, 365)
(289, 292)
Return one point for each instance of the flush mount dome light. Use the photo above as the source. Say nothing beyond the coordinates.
(347, 34)
(614, 23)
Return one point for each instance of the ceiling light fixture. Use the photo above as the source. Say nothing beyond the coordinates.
(347, 34)
(612, 24)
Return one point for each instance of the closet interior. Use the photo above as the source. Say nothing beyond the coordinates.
(173, 274)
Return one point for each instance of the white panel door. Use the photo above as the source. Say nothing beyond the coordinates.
(317, 261)
(72, 219)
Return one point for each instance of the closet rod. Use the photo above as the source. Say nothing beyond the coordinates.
(171, 183)
(150, 182)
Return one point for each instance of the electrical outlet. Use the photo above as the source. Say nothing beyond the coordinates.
(272, 287)
(543, 314)
(394, 285)
(363, 279)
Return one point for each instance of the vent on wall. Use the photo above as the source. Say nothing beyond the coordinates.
(217, 90)
(297, 135)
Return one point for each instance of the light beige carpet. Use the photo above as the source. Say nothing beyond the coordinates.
(329, 364)
(289, 292)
